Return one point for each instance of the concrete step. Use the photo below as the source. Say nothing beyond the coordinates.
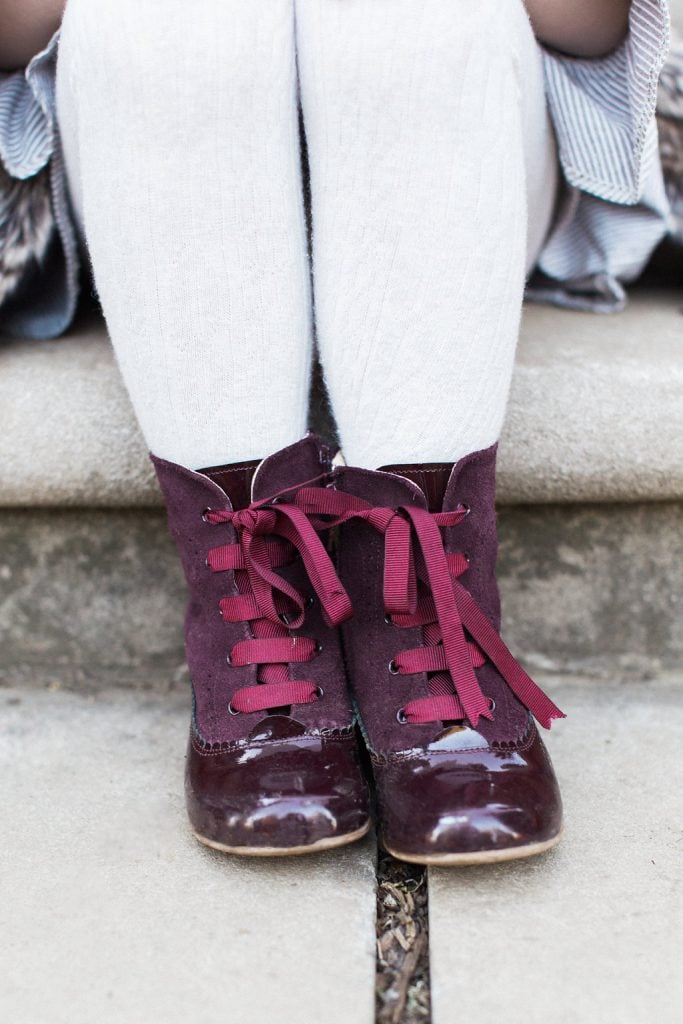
(91, 598)
(591, 933)
(595, 414)
(112, 913)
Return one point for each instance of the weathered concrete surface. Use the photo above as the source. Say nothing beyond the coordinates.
(110, 912)
(595, 414)
(594, 588)
(96, 598)
(90, 598)
(591, 933)
(68, 434)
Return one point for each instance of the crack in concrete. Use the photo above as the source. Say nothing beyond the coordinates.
(402, 991)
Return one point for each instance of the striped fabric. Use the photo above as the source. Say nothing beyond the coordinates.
(26, 138)
(612, 213)
(614, 209)
(603, 109)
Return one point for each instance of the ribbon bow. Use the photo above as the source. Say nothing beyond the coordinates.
(413, 550)
(261, 532)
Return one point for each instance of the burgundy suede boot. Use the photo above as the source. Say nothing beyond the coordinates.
(273, 762)
(462, 775)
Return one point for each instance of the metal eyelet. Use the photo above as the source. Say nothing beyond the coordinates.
(229, 659)
(319, 692)
(393, 668)
(309, 602)
(467, 508)
(388, 619)
(318, 647)
(468, 558)
(232, 711)
(401, 717)
(492, 703)
(205, 514)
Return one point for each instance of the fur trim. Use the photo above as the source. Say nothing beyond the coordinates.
(670, 125)
(26, 226)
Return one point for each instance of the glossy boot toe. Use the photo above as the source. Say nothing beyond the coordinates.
(294, 795)
(469, 807)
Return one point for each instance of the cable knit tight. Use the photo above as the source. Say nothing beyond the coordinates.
(421, 121)
(180, 129)
(432, 183)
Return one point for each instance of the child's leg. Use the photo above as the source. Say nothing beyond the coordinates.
(428, 140)
(418, 143)
(181, 131)
(181, 140)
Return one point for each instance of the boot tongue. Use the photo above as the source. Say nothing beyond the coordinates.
(235, 480)
(296, 464)
(244, 482)
(431, 477)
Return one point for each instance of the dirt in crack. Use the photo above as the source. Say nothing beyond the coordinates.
(402, 992)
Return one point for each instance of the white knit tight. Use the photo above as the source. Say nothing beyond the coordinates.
(432, 182)
(179, 123)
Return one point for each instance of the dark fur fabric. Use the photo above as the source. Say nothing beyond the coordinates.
(670, 125)
(26, 226)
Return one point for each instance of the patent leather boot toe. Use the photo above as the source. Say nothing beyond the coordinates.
(273, 762)
(460, 801)
(461, 773)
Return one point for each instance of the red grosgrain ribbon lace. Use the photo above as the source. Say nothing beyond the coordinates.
(269, 535)
(421, 588)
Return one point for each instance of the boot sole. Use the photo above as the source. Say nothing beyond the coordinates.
(285, 851)
(462, 860)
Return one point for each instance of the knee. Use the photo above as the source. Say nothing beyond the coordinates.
(126, 42)
(488, 25)
(102, 23)
(513, 30)
(109, 34)
(451, 31)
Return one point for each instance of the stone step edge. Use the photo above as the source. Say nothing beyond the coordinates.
(595, 415)
(90, 597)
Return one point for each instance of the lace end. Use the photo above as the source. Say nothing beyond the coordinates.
(548, 716)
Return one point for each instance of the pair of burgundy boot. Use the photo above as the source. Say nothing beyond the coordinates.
(274, 762)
